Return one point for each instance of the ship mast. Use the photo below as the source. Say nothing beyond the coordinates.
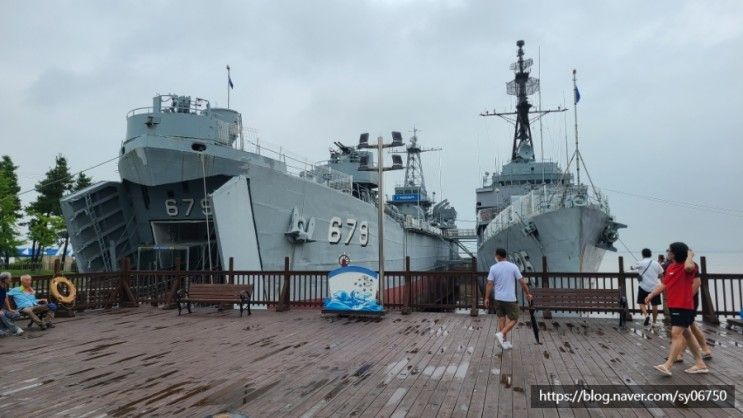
(576, 97)
(522, 86)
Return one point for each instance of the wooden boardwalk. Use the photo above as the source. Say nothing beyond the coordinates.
(149, 362)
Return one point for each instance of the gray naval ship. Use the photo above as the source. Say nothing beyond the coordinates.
(533, 208)
(190, 190)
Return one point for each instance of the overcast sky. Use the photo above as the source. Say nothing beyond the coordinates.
(660, 87)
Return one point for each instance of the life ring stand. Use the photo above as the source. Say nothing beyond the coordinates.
(57, 294)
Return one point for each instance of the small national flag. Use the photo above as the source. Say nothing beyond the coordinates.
(577, 95)
(229, 78)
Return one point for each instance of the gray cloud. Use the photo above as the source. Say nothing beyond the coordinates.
(658, 82)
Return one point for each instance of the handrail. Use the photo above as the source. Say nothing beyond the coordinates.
(721, 293)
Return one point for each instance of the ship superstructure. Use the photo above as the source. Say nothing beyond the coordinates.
(534, 208)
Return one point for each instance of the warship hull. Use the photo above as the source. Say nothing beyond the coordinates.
(568, 238)
(161, 204)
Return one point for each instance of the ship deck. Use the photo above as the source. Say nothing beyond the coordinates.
(150, 362)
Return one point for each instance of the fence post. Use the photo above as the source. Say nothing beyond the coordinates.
(56, 267)
(126, 296)
(622, 277)
(546, 314)
(708, 309)
(407, 291)
(231, 274)
(283, 305)
(473, 310)
(170, 297)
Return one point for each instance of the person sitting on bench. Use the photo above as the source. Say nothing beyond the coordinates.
(7, 315)
(25, 300)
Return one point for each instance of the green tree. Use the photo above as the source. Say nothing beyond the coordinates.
(55, 184)
(9, 170)
(9, 215)
(81, 181)
(44, 230)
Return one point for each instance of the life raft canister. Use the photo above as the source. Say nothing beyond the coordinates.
(71, 290)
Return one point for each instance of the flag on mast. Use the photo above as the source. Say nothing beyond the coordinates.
(575, 89)
(229, 78)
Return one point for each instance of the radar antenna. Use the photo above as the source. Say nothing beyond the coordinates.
(522, 86)
(414, 167)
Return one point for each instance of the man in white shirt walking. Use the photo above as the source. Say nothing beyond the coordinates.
(503, 277)
(650, 274)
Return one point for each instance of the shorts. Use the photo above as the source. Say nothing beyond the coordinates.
(509, 309)
(642, 294)
(682, 317)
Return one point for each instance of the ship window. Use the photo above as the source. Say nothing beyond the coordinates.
(197, 146)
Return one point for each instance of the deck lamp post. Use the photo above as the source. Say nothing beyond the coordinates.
(380, 168)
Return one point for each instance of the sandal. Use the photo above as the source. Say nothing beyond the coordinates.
(707, 356)
(697, 370)
(662, 368)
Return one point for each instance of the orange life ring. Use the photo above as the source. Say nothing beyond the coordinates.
(71, 290)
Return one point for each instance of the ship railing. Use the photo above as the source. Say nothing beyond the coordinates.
(296, 166)
(420, 225)
(327, 176)
(193, 109)
(537, 202)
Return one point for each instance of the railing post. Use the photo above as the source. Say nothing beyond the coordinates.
(231, 273)
(708, 309)
(170, 297)
(126, 296)
(283, 305)
(407, 291)
(622, 277)
(546, 314)
(56, 267)
(473, 310)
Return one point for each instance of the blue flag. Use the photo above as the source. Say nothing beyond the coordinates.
(229, 78)
(577, 95)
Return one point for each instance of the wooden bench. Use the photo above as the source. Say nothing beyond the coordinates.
(735, 322)
(24, 315)
(581, 300)
(215, 293)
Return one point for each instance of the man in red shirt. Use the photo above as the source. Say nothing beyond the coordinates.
(678, 284)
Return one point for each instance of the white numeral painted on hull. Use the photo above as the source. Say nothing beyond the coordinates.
(335, 231)
(364, 233)
(173, 208)
(352, 224)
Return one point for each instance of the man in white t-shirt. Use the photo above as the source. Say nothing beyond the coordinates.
(503, 277)
(650, 272)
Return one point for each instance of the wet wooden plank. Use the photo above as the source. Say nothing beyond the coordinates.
(152, 362)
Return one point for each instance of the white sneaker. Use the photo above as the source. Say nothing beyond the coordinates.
(18, 331)
(507, 345)
(499, 337)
